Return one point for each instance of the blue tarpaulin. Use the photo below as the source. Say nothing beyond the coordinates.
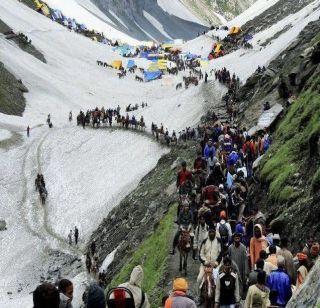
(148, 76)
(248, 37)
(144, 54)
(130, 64)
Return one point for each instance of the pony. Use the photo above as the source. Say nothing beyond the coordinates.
(137, 78)
(208, 288)
(184, 246)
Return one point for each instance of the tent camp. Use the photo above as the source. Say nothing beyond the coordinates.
(162, 64)
(42, 7)
(117, 64)
(153, 67)
(131, 63)
(148, 76)
(235, 31)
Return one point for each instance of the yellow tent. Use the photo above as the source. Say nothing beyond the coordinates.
(153, 67)
(218, 48)
(203, 63)
(162, 64)
(45, 10)
(167, 46)
(37, 4)
(117, 64)
(234, 30)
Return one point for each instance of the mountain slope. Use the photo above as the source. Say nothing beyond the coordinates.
(216, 11)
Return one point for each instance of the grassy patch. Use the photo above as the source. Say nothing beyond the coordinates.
(289, 153)
(152, 255)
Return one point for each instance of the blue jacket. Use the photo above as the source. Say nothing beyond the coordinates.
(279, 281)
(209, 151)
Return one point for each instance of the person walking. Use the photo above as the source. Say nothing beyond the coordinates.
(65, 288)
(302, 271)
(288, 257)
(257, 243)
(134, 285)
(178, 297)
(93, 247)
(70, 237)
(28, 131)
(238, 253)
(279, 284)
(227, 286)
(76, 235)
(258, 294)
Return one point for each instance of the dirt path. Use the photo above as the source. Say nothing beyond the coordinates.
(212, 93)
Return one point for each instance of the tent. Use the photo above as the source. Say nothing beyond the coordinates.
(144, 54)
(148, 76)
(248, 37)
(204, 63)
(162, 64)
(42, 7)
(235, 31)
(117, 64)
(56, 14)
(153, 67)
(218, 48)
(167, 46)
(131, 63)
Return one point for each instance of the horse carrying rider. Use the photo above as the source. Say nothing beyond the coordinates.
(210, 253)
(185, 220)
(184, 180)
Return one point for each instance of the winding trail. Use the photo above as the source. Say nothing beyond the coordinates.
(33, 213)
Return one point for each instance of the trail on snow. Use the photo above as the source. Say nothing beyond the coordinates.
(34, 214)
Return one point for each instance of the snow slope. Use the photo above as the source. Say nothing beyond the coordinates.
(254, 10)
(176, 7)
(79, 10)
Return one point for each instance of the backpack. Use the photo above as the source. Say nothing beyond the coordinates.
(224, 234)
(123, 298)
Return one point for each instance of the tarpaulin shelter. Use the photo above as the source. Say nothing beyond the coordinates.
(162, 64)
(148, 76)
(167, 46)
(144, 54)
(83, 27)
(235, 31)
(131, 63)
(153, 67)
(266, 119)
(191, 56)
(117, 64)
(204, 63)
(248, 37)
(56, 14)
(42, 7)
(218, 48)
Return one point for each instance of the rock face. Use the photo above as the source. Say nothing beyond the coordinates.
(135, 22)
(309, 294)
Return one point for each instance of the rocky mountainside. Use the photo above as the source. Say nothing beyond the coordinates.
(207, 9)
(146, 20)
(151, 19)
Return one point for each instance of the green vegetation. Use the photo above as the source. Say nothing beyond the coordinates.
(289, 157)
(152, 255)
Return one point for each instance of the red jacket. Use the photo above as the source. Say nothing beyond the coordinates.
(183, 176)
